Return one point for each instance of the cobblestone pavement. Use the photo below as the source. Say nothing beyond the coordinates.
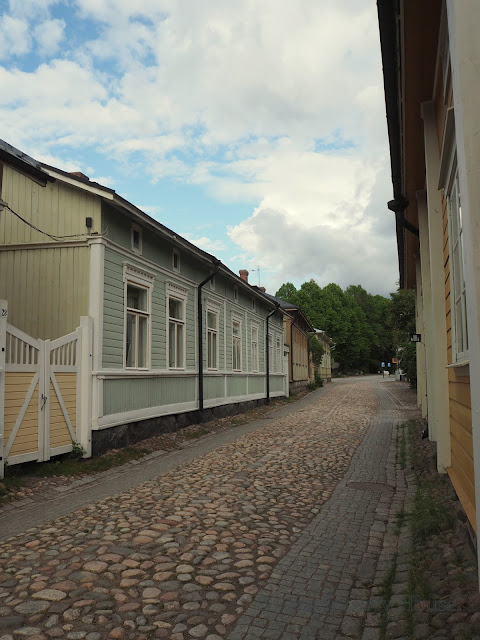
(274, 535)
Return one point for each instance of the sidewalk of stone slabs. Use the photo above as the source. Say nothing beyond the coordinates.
(183, 555)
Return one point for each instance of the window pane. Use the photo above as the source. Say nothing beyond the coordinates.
(175, 308)
(130, 359)
(171, 344)
(211, 320)
(136, 298)
(179, 345)
(142, 341)
(236, 328)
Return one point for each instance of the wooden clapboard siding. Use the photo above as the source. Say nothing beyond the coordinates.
(59, 433)
(58, 208)
(276, 383)
(214, 387)
(236, 386)
(256, 384)
(122, 395)
(54, 281)
(16, 388)
(461, 470)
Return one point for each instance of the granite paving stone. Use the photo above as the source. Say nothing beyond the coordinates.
(267, 535)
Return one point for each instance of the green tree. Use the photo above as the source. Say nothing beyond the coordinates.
(403, 321)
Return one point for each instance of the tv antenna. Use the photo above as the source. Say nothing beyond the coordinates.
(258, 271)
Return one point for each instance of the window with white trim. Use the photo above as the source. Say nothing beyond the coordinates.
(270, 353)
(236, 345)
(255, 348)
(138, 287)
(253, 304)
(176, 333)
(212, 284)
(235, 293)
(137, 327)
(457, 270)
(212, 339)
(136, 237)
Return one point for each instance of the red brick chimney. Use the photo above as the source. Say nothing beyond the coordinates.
(243, 274)
(79, 174)
(262, 289)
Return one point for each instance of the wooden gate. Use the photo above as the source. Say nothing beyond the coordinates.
(39, 396)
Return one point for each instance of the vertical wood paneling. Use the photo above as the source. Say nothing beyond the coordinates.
(45, 278)
(58, 208)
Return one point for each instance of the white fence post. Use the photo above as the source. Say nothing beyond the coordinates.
(84, 385)
(3, 347)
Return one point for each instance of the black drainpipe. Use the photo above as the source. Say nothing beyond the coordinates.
(291, 350)
(267, 359)
(216, 264)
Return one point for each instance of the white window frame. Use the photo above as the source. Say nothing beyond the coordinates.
(237, 340)
(212, 284)
(210, 332)
(135, 228)
(458, 308)
(254, 347)
(176, 257)
(270, 353)
(140, 279)
(180, 294)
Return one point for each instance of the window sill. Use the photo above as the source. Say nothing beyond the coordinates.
(461, 369)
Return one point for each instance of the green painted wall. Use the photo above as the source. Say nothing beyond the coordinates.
(213, 387)
(123, 395)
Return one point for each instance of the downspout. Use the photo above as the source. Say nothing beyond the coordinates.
(216, 264)
(291, 351)
(267, 359)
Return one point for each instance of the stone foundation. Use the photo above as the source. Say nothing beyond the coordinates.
(125, 434)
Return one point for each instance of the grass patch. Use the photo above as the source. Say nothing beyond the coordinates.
(196, 433)
(429, 515)
(67, 465)
(386, 592)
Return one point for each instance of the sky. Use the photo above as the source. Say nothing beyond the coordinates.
(256, 129)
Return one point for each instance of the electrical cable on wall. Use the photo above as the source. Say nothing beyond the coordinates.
(45, 233)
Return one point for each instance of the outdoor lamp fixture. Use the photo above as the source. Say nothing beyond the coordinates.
(416, 337)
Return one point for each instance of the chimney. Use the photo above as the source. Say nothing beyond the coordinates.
(79, 174)
(262, 289)
(243, 274)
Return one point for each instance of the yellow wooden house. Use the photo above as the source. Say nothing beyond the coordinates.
(431, 66)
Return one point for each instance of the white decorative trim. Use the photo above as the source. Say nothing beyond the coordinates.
(137, 274)
(175, 289)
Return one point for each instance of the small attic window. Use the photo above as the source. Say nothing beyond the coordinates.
(136, 238)
(235, 293)
(253, 304)
(176, 260)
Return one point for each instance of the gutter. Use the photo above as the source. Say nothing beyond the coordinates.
(387, 20)
(267, 359)
(216, 265)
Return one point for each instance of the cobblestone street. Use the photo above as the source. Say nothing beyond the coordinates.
(275, 534)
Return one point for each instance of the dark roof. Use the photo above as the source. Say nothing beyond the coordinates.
(26, 164)
(289, 308)
(23, 162)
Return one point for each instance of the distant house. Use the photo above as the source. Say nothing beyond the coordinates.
(296, 331)
(118, 328)
(431, 62)
(325, 368)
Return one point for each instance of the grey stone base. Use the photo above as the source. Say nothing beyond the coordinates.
(125, 434)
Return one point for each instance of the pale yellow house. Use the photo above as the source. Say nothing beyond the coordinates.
(325, 368)
(431, 62)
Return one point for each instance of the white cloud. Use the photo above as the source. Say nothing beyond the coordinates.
(276, 104)
(49, 34)
(211, 246)
(14, 37)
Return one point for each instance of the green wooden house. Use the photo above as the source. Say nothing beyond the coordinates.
(160, 333)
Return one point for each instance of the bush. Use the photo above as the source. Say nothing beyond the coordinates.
(318, 379)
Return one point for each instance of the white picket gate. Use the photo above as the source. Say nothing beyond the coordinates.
(41, 411)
